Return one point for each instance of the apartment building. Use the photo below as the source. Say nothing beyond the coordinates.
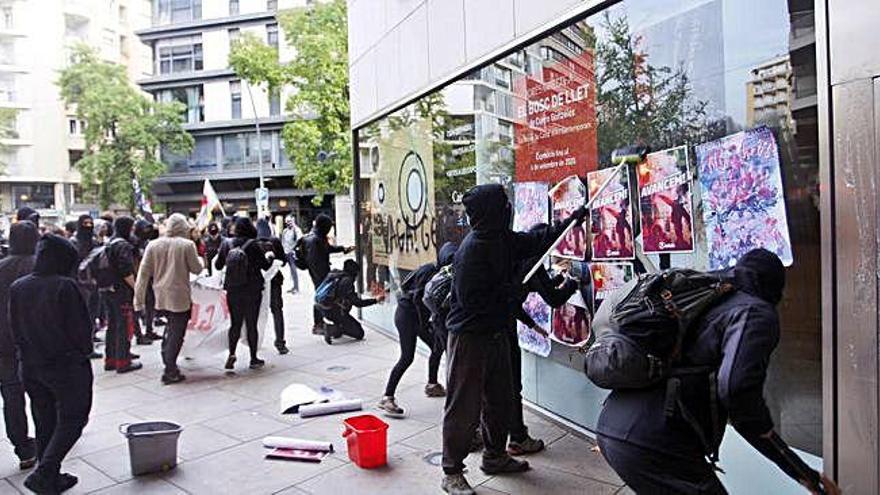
(35, 43)
(189, 41)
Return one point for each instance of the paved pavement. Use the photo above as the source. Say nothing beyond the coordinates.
(225, 417)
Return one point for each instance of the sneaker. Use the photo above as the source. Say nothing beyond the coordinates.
(435, 390)
(129, 368)
(282, 349)
(153, 335)
(65, 481)
(25, 464)
(257, 363)
(389, 408)
(230, 362)
(133, 356)
(172, 379)
(95, 355)
(456, 484)
(528, 446)
(503, 464)
(27, 454)
(38, 483)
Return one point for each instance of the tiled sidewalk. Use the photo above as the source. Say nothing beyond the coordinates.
(225, 418)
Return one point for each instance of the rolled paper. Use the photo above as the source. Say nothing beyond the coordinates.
(297, 444)
(334, 407)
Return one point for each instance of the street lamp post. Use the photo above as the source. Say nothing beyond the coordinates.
(259, 143)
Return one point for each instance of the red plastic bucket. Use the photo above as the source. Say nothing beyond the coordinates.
(367, 438)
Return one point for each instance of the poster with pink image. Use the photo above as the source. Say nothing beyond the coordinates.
(566, 197)
(531, 205)
(743, 198)
(665, 202)
(611, 219)
(608, 278)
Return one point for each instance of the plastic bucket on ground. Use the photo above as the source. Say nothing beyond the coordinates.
(152, 445)
(367, 438)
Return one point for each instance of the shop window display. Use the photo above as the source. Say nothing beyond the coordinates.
(672, 76)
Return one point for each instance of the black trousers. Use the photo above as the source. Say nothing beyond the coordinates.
(409, 329)
(120, 328)
(244, 309)
(61, 398)
(343, 324)
(14, 414)
(317, 312)
(651, 472)
(276, 304)
(478, 379)
(518, 429)
(149, 309)
(175, 331)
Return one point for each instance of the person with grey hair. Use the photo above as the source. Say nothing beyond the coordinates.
(168, 261)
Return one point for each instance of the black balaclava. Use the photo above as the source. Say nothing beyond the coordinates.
(55, 256)
(245, 228)
(761, 274)
(323, 225)
(446, 254)
(351, 267)
(23, 237)
(28, 213)
(213, 229)
(83, 232)
(487, 208)
(122, 227)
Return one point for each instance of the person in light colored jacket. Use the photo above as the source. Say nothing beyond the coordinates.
(168, 262)
(289, 236)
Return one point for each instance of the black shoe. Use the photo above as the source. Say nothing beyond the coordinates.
(153, 335)
(95, 355)
(109, 367)
(171, 379)
(40, 484)
(159, 322)
(503, 465)
(97, 340)
(144, 340)
(257, 363)
(328, 338)
(282, 349)
(65, 482)
(132, 355)
(25, 464)
(230, 362)
(129, 368)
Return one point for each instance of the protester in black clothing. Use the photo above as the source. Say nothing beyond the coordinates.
(654, 451)
(122, 255)
(244, 297)
(412, 319)
(85, 242)
(276, 302)
(144, 232)
(52, 332)
(346, 297)
(70, 228)
(479, 376)
(28, 213)
(23, 238)
(318, 251)
(211, 241)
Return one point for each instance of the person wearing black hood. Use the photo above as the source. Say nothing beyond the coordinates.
(53, 344)
(480, 315)
(657, 451)
(412, 319)
(318, 251)
(144, 232)
(345, 296)
(84, 241)
(211, 240)
(122, 255)
(23, 238)
(29, 214)
(272, 243)
(244, 295)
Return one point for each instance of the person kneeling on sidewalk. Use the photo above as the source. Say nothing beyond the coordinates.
(167, 264)
(336, 296)
(52, 331)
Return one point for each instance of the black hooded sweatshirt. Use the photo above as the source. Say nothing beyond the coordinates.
(49, 318)
(413, 286)
(23, 238)
(346, 293)
(318, 249)
(736, 337)
(485, 288)
(244, 232)
(123, 256)
(84, 240)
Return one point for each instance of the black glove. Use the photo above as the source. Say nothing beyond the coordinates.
(580, 215)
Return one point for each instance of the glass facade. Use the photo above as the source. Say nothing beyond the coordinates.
(176, 11)
(683, 76)
(180, 56)
(191, 97)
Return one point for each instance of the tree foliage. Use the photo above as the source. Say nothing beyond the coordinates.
(318, 37)
(124, 128)
(7, 130)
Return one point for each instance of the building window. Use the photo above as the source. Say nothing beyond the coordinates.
(234, 7)
(202, 157)
(8, 19)
(192, 98)
(72, 127)
(234, 35)
(181, 58)
(272, 5)
(503, 77)
(275, 103)
(235, 95)
(240, 149)
(175, 11)
(272, 35)
(37, 196)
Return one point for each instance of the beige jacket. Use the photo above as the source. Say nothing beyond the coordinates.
(168, 261)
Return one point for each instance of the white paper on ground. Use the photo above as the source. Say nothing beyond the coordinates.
(295, 395)
(330, 408)
(297, 443)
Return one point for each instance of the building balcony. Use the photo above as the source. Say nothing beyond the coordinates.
(200, 172)
(803, 30)
(165, 81)
(197, 26)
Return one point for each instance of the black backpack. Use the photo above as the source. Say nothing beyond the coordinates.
(639, 333)
(299, 254)
(438, 291)
(97, 269)
(238, 266)
(325, 295)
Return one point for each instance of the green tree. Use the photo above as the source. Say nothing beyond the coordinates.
(124, 128)
(318, 37)
(7, 131)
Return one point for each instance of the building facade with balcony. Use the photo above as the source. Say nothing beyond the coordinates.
(47, 139)
(189, 42)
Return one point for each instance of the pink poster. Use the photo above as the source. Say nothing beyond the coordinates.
(611, 216)
(607, 278)
(665, 202)
(566, 197)
(572, 320)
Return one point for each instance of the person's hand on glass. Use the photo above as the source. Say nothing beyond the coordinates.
(380, 297)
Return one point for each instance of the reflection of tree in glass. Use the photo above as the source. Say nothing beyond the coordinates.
(639, 103)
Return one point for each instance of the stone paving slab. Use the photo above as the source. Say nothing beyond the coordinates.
(225, 416)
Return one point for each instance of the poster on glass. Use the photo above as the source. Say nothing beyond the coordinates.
(530, 205)
(529, 339)
(743, 202)
(572, 320)
(611, 219)
(607, 278)
(666, 202)
(567, 196)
